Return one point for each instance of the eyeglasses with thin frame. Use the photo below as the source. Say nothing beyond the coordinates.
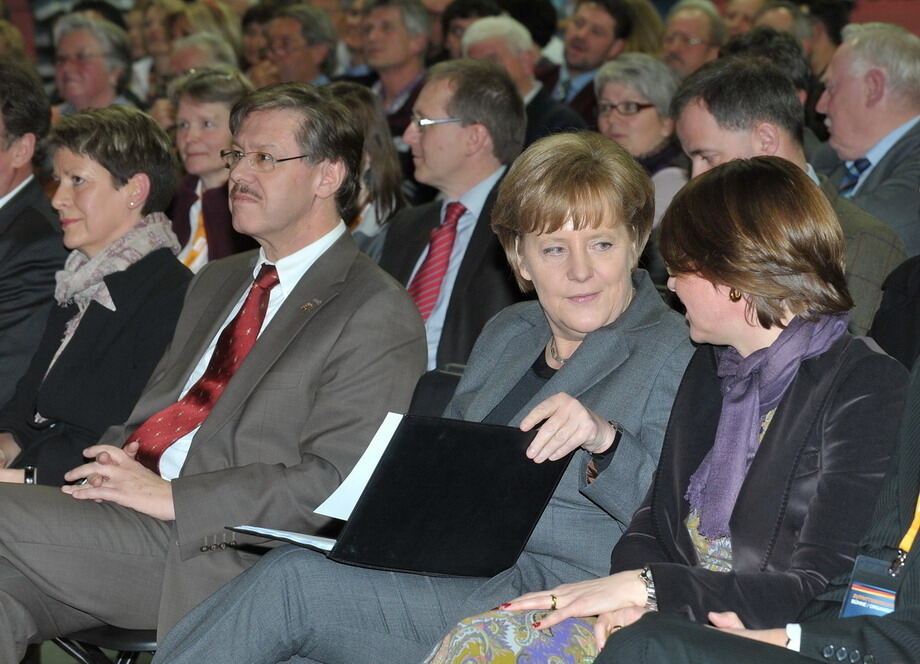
(623, 108)
(262, 162)
(421, 122)
(81, 58)
(682, 38)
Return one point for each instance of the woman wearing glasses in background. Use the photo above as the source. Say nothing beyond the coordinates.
(633, 100)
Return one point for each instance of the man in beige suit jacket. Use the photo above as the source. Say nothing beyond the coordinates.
(341, 345)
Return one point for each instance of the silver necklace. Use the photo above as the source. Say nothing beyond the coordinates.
(555, 353)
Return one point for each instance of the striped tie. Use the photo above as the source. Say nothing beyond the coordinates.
(426, 285)
(851, 176)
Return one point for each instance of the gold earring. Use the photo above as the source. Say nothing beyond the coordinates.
(734, 295)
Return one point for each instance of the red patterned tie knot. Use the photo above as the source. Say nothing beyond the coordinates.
(426, 286)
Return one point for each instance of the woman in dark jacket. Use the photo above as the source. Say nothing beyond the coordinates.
(778, 440)
(119, 293)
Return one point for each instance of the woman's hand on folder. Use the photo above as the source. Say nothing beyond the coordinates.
(567, 425)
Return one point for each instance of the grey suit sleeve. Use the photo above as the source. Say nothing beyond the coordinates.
(371, 368)
(896, 201)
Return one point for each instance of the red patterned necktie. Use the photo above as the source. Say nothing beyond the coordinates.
(426, 285)
(236, 340)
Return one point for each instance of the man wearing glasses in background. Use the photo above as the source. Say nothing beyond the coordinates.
(283, 364)
(468, 126)
(694, 32)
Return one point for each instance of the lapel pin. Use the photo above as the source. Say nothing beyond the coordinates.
(306, 307)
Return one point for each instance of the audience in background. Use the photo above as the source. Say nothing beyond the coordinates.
(828, 17)
(254, 39)
(504, 41)
(301, 46)
(458, 16)
(92, 64)
(30, 236)
(380, 195)
(212, 17)
(872, 103)
(198, 50)
(11, 44)
(647, 29)
(693, 34)
(200, 210)
(596, 33)
(739, 15)
(352, 62)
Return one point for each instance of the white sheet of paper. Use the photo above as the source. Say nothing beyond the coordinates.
(342, 501)
(323, 543)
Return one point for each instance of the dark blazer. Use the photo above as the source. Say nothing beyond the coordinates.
(896, 326)
(891, 191)
(223, 241)
(584, 103)
(546, 116)
(30, 253)
(485, 284)
(99, 376)
(804, 504)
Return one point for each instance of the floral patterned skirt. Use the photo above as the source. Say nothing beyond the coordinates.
(502, 637)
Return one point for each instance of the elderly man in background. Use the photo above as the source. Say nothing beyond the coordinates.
(693, 33)
(738, 108)
(739, 15)
(202, 49)
(595, 33)
(504, 41)
(872, 103)
(301, 45)
(31, 250)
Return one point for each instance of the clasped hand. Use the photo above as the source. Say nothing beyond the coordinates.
(116, 476)
(568, 425)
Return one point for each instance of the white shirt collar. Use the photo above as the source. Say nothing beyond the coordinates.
(291, 268)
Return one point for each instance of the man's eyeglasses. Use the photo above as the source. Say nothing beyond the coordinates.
(683, 39)
(262, 162)
(623, 108)
(79, 58)
(421, 122)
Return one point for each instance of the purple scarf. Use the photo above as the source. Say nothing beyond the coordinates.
(751, 387)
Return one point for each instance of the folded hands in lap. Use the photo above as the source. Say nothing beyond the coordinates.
(115, 476)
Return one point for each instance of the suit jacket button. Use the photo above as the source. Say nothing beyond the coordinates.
(222, 546)
(855, 656)
(204, 549)
(828, 651)
(213, 547)
(842, 654)
(231, 543)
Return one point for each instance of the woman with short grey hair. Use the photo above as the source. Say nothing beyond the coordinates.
(633, 97)
(92, 64)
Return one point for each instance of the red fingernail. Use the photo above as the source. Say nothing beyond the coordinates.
(505, 605)
(536, 625)
(495, 608)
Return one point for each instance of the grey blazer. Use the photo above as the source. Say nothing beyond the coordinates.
(629, 372)
(346, 346)
(892, 190)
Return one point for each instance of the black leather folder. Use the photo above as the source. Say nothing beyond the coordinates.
(448, 498)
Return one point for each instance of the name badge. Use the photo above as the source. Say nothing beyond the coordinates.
(873, 589)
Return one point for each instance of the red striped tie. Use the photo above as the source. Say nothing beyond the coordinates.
(426, 285)
(169, 425)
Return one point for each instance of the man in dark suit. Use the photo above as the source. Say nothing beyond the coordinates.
(821, 634)
(230, 429)
(872, 103)
(506, 42)
(468, 126)
(596, 33)
(716, 123)
(30, 238)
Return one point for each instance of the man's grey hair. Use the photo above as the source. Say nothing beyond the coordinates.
(802, 27)
(414, 14)
(219, 51)
(718, 32)
(512, 32)
(316, 28)
(115, 44)
(648, 76)
(891, 48)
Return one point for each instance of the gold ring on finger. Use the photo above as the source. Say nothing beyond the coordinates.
(552, 605)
